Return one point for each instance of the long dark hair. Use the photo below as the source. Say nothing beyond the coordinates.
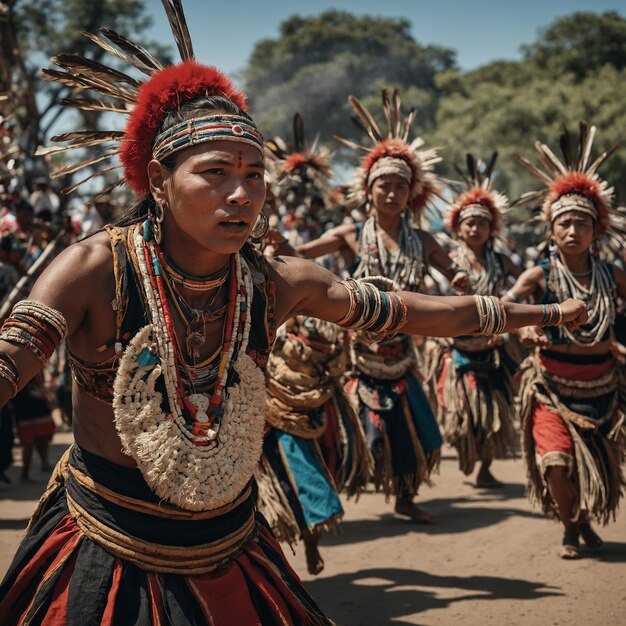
(202, 105)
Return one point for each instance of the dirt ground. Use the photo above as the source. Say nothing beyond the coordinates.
(490, 559)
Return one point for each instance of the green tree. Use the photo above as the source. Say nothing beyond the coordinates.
(579, 44)
(507, 106)
(317, 62)
(35, 30)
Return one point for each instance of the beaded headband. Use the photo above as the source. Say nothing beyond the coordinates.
(573, 183)
(392, 153)
(478, 199)
(389, 165)
(202, 129)
(475, 210)
(572, 202)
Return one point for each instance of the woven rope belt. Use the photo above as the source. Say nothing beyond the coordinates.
(156, 557)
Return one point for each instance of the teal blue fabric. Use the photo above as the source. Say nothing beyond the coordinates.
(423, 417)
(316, 494)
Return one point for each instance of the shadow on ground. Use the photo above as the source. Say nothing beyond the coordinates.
(454, 515)
(378, 596)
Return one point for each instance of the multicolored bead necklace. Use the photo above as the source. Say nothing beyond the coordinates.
(199, 414)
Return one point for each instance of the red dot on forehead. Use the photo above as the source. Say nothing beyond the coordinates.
(239, 159)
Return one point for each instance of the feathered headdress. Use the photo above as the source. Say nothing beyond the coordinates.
(572, 184)
(478, 199)
(145, 103)
(299, 171)
(392, 154)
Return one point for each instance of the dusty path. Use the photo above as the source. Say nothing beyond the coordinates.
(491, 559)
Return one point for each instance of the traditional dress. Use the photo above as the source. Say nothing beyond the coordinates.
(178, 539)
(474, 375)
(399, 423)
(315, 445)
(164, 547)
(573, 415)
(573, 405)
(386, 390)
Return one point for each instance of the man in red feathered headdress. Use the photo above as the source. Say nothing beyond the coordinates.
(474, 375)
(573, 410)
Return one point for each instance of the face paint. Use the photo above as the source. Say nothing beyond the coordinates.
(239, 160)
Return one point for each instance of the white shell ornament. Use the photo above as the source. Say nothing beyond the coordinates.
(196, 478)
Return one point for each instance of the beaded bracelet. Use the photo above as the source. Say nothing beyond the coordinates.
(492, 316)
(371, 309)
(552, 315)
(9, 372)
(513, 295)
(36, 326)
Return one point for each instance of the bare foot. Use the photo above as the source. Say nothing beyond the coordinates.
(409, 509)
(590, 537)
(486, 480)
(314, 560)
(571, 547)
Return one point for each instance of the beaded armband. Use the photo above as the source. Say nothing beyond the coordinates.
(513, 296)
(552, 315)
(374, 310)
(9, 372)
(491, 315)
(36, 326)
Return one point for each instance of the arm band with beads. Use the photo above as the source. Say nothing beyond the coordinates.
(36, 326)
(378, 312)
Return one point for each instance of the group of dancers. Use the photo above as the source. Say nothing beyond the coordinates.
(224, 396)
(563, 386)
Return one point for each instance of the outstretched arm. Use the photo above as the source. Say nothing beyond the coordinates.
(331, 241)
(306, 289)
(441, 260)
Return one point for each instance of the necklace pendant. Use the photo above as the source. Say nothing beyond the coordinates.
(201, 404)
(194, 340)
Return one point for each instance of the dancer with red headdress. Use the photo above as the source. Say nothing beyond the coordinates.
(573, 405)
(315, 446)
(474, 374)
(150, 517)
(395, 180)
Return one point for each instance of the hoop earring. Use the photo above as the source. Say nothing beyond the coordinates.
(157, 229)
(260, 228)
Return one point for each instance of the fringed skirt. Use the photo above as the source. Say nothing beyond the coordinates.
(296, 490)
(476, 403)
(401, 431)
(101, 549)
(573, 411)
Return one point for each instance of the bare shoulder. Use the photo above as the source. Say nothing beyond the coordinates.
(428, 241)
(299, 282)
(77, 277)
(291, 271)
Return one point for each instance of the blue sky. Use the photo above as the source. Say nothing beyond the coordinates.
(224, 33)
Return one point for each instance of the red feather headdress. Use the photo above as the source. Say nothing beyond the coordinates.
(418, 162)
(572, 184)
(299, 171)
(166, 90)
(145, 103)
(478, 196)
